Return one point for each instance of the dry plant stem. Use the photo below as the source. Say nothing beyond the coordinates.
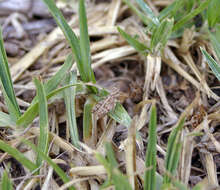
(130, 154)
(57, 140)
(106, 136)
(72, 182)
(30, 58)
(188, 58)
(88, 170)
(160, 89)
(47, 181)
(113, 12)
(30, 184)
(170, 59)
(186, 156)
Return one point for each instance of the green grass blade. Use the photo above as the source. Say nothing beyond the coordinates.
(150, 175)
(161, 34)
(69, 34)
(170, 10)
(6, 183)
(43, 117)
(121, 182)
(191, 15)
(52, 83)
(173, 151)
(69, 99)
(56, 168)
(120, 115)
(84, 43)
(212, 64)
(142, 16)
(6, 83)
(216, 44)
(197, 187)
(147, 10)
(6, 121)
(55, 80)
(18, 156)
(87, 119)
(32, 110)
(110, 156)
(115, 177)
(213, 13)
(140, 47)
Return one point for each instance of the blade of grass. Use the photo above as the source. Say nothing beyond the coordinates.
(142, 16)
(6, 121)
(43, 117)
(147, 10)
(140, 47)
(84, 42)
(87, 119)
(216, 44)
(32, 110)
(85, 70)
(190, 15)
(120, 115)
(110, 156)
(69, 99)
(170, 10)
(55, 80)
(213, 12)
(6, 83)
(6, 182)
(150, 175)
(56, 168)
(212, 64)
(161, 34)
(115, 177)
(173, 151)
(18, 156)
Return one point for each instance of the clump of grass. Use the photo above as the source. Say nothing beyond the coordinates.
(65, 83)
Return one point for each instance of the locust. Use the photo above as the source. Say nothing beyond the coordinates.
(107, 104)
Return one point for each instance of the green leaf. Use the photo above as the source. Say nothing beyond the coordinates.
(69, 34)
(173, 151)
(150, 175)
(110, 156)
(140, 47)
(148, 12)
(120, 115)
(190, 15)
(142, 16)
(6, 182)
(32, 110)
(84, 43)
(170, 10)
(213, 12)
(87, 118)
(212, 64)
(69, 99)
(55, 80)
(6, 121)
(44, 126)
(161, 34)
(216, 44)
(115, 177)
(6, 83)
(18, 156)
(121, 182)
(56, 168)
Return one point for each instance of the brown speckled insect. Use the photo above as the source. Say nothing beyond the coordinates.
(107, 104)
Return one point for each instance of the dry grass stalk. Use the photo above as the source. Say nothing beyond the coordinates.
(130, 154)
